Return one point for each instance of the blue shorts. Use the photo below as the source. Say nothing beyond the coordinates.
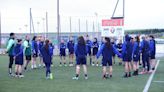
(152, 56)
(71, 52)
(81, 61)
(107, 63)
(136, 58)
(95, 50)
(19, 62)
(127, 58)
(63, 54)
(35, 55)
(89, 52)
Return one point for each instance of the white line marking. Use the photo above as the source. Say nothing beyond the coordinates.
(159, 81)
(146, 89)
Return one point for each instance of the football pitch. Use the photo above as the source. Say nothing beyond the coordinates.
(34, 80)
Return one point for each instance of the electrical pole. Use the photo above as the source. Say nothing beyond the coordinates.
(79, 27)
(46, 24)
(87, 26)
(70, 20)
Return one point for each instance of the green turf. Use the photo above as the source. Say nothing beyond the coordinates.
(35, 81)
(159, 76)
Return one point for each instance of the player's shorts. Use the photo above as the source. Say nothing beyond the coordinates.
(28, 57)
(71, 52)
(152, 56)
(63, 54)
(136, 58)
(95, 51)
(81, 61)
(35, 55)
(107, 63)
(19, 62)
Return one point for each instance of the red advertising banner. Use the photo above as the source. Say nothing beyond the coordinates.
(113, 22)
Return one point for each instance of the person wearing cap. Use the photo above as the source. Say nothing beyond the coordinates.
(9, 50)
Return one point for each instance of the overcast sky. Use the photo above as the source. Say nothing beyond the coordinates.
(139, 14)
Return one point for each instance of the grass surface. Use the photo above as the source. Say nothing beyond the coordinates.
(34, 80)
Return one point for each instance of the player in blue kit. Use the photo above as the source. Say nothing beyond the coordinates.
(119, 48)
(40, 45)
(62, 53)
(136, 55)
(34, 52)
(81, 55)
(107, 50)
(89, 46)
(70, 46)
(145, 49)
(113, 54)
(51, 51)
(95, 47)
(46, 54)
(127, 49)
(152, 51)
(18, 56)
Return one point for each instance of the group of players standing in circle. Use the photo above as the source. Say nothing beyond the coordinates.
(128, 52)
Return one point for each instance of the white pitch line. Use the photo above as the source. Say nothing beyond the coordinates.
(146, 89)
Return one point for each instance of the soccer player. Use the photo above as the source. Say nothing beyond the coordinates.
(89, 46)
(10, 50)
(34, 52)
(62, 53)
(95, 47)
(51, 51)
(27, 51)
(81, 54)
(136, 55)
(152, 51)
(41, 43)
(127, 55)
(113, 55)
(119, 48)
(145, 48)
(46, 54)
(70, 46)
(107, 50)
(18, 55)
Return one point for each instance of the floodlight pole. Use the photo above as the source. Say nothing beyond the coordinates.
(30, 22)
(123, 9)
(87, 26)
(58, 23)
(70, 20)
(46, 24)
(79, 27)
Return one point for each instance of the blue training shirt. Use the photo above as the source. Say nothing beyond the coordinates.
(107, 52)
